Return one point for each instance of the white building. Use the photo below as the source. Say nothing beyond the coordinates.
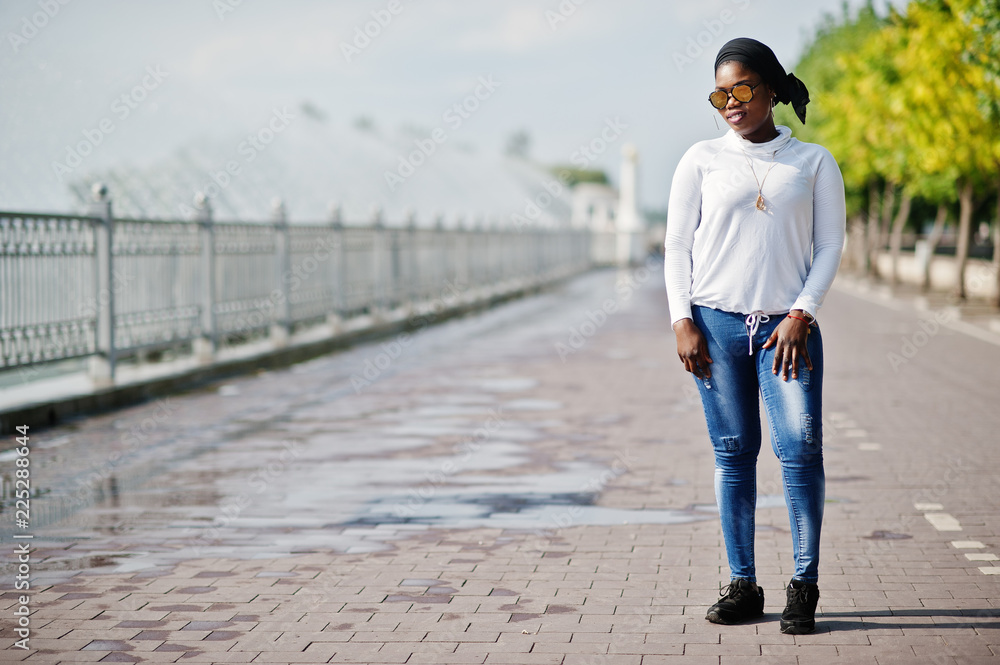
(594, 207)
(602, 209)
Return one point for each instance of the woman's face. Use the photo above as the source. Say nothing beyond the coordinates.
(753, 120)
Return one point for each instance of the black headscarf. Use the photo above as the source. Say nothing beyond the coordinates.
(761, 59)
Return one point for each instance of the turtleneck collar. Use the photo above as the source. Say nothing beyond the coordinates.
(766, 148)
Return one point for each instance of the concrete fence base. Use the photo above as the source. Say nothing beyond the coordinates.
(980, 275)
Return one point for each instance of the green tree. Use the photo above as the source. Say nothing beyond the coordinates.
(909, 105)
(949, 126)
(983, 18)
(837, 116)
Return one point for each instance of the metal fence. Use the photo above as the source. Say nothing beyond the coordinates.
(109, 288)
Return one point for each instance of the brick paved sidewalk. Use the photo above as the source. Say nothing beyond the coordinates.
(911, 453)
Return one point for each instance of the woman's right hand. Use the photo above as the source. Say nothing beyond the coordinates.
(693, 349)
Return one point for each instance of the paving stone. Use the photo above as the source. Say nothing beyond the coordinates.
(631, 594)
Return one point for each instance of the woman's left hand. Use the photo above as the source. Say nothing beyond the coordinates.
(789, 342)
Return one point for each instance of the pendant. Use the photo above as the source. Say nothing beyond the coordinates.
(760, 202)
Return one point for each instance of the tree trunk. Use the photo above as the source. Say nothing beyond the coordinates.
(855, 251)
(996, 245)
(964, 231)
(888, 203)
(897, 233)
(871, 237)
(932, 243)
(883, 215)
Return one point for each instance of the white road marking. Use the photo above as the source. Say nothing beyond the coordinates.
(960, 544)
(925, 507)
(981, 556)
(869, 446)
(990, 570)
(856, 433)
(943, 521)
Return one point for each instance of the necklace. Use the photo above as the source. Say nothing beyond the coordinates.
(760, 205)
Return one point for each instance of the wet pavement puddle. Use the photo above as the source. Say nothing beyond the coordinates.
(295, 461)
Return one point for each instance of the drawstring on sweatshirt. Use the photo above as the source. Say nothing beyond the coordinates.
(753, 322)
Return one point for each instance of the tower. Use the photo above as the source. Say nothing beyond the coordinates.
(629, 223)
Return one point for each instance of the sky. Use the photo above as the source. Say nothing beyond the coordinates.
(136, 79)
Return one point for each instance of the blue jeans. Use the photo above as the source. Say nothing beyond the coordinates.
(794, 411)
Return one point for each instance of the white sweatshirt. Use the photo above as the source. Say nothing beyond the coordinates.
(721, 252)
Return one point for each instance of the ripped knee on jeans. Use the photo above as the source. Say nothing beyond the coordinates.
(811, 436)
(729, 444)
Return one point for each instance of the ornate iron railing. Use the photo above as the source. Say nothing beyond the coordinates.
(109, 288)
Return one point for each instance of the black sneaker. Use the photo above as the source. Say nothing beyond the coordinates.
(739, 602)
(799, 616)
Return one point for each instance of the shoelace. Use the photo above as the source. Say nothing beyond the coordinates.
(799, 595)
(753, 322)
(732, 591)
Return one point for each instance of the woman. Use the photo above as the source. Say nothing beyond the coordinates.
(755, 230)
